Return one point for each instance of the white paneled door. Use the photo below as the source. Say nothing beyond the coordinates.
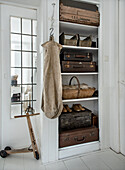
(14, 132)
(122, 73)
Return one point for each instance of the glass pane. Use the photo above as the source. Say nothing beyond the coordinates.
(15, 76)
(15, 25)
(26, 43)
(27, 91)
(34, 59)
(34, 75)
(34, 27)
(15, 110)
(15, 42)
(34, 44)
(15, 59)
(26, 26)
(26, 59)
(15, 90)
(27, 76)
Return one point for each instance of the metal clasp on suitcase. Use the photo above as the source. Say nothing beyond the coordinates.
(92, 133)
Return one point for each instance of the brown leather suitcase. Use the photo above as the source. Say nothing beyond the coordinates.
(74, 66)
(78, 136)
(77, 15)
(75, 119)
(76, 56)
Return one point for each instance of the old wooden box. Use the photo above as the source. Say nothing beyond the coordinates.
(76, 56)
(80, 16)
(75, 119)
(74, 66)
(78, 136)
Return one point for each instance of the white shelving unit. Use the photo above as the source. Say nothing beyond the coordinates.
(90, 78)
(80, 48)
(80, 100)
(72, 27)
(82, 74)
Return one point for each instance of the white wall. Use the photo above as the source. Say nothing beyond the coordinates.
(104, 98)
(122, 73)
(110, 109)
(114, 86)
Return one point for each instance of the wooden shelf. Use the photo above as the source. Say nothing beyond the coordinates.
(80, 100)
(82, 74)
(80, 48)
(71, 28)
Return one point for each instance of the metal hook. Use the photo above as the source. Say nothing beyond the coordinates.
(51, 32)
(52, 21)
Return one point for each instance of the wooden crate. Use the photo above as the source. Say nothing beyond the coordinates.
(80, 16)
(75, 119)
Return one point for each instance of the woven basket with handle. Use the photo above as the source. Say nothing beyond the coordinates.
(77, 93)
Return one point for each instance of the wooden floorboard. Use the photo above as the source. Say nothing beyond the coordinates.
(101, 160)
(2, 161)
(14, 162)
(74, 164)
(112, 161)
(94, 162)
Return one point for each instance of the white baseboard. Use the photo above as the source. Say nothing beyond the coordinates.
(78, 149)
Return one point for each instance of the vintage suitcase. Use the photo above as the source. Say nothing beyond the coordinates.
(77, 15)
(74, 66)
(75, 119)
(78, 136)
(76, 56)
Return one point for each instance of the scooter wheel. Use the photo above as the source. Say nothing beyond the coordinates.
(37, 155)
(7, 148)
(3, 154)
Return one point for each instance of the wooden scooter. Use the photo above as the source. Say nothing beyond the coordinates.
(7, 151)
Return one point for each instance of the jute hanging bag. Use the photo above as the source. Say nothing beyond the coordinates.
(78, 92)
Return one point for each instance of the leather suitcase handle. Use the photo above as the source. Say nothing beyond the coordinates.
(77, 84)
(79, 140)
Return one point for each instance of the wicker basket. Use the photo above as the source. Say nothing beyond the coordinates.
(86, 42)
(73, 41)
(77, 93)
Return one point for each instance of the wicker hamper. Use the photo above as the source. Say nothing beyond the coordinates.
(77, 93)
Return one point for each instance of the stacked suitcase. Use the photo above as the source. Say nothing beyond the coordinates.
(77, 62)
(78, 127)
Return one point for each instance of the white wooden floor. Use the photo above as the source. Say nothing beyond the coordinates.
(101, 160)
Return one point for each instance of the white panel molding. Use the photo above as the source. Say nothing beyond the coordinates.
(104, 75)
(23, 4)
(49, 139)
(78, 149)
(114, 75)
(122, 74)
(0, 83)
